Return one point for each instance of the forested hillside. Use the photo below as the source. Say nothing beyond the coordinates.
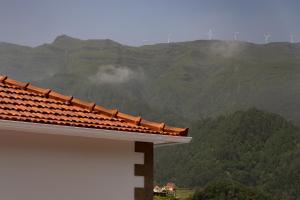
(228, 190)
(186, 80)
(200, 84)
(251, 147)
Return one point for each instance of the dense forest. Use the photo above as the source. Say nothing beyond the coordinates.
(229, 190)
(252, 147)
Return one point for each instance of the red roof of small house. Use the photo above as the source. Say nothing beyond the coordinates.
(25, 102)
(170, 185)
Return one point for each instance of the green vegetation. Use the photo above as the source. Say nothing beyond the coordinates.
(229, 190)
(251, 147)
(180, 83)
(188, 79)
(184, 193)
(162, 198)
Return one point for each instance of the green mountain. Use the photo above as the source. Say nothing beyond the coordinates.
(252, 147)
(182, 83)
(186, 79)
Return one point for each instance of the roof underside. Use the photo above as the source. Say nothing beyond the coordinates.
(27, 103)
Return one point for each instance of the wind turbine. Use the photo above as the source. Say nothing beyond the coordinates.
(267, 37)
(169, 37)
(210, 34)
(145, 42)
(236, 35)
(292, 39)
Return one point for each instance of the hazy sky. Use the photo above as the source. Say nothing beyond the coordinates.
(137, 22)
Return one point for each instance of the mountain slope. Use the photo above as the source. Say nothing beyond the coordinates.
(213, 76)
(252, 147)
(181, 83)
(173, 79)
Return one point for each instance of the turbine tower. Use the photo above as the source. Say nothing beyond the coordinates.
(145, 42)
(236, 35)
(292, 39)
(210, 34)
(169, 37)
(267, 37)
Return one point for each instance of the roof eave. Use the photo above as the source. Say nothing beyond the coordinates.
(39, 128)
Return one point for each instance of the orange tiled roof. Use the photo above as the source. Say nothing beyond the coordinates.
(24, 102)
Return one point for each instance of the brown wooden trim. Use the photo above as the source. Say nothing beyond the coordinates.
(139, 193)
(145, 170)
(139, 170)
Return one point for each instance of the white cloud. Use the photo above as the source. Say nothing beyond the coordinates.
(226, 49)
(114, 74)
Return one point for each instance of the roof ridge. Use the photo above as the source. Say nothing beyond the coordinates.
(91, 106)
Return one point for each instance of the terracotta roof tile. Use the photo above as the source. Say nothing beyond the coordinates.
(106, 111)
(134, 119)
(38, 90)
(15, 83)
(61, 97)
(82, 104)
(21, 101)
(2, 78)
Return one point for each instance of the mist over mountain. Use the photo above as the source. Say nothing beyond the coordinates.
(182, 83)
(189, 80)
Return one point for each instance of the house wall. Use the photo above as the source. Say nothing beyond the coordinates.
(47, 167)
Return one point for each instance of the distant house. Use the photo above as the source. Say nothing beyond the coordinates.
(170, 186)
(58, 147)
(170, 189)
(156, 189)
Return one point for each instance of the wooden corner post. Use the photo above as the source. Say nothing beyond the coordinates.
(145, 170)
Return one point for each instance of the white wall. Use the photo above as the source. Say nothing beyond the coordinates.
(45, 167)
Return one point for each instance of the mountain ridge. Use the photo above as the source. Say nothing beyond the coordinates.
(71, 38)
(173, 79)
(180, 84)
